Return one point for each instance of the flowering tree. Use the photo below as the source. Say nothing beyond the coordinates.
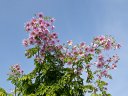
(63, 69)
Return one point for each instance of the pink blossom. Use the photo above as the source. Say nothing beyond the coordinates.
(70, 42)
(102, 37)
(94, 45)
(115, 58)
(104, 73)
(16, 70)
(87, 49)
(109, 60)
(52, 20)
(33, 34)
(100, 57)
(59, 46)
(52, 42)
(53, 27)
(100, 64)
(48, 24)
(114, 66)
(27, 29)
(82, 44)
(54, 35)
(108, 45)
(118, 46)
(25, 42)
(31, 40)
(81, 53)
(40, 15)
(91, 50)
(46, 32)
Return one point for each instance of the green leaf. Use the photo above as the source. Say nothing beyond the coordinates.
(2, 92)
(31, 52)
(94, 95)
(88, 58)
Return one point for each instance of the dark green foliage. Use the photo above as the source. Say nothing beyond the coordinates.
(51, 78)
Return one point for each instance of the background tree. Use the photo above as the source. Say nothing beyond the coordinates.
(59, 68)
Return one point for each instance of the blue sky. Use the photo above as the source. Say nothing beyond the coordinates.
(77, 20)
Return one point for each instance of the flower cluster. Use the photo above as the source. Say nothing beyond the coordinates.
(104, 65)
(16, 71)
(106, 42)
(80, 53)
(39, 33)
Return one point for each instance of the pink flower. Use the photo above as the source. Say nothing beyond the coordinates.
(52, 42)
(16, 70)
(104, 73)
(114, 66)
(57, 40)
(59, 47)
(40, 15)
(70, 42)
(94, 45)
(41, 21)
(54, 35)
(53, 27)
(101, 38)
(27, 24)
(21, 71)
(48, 24)
(87, 48)
(96, 38)
(52, 20)
(100, 64)
(39, 42)
(27, 29)
(100, 57)
(33, 34)
(99, 76)
(81, 53)
(108, 45)
(25, 42)
(91, 50)
(46, 32)
(82, 44)
(31, 40)
(118, 46)
(115, 58)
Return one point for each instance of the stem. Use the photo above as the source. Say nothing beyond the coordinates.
(15, 89)
(39, 65)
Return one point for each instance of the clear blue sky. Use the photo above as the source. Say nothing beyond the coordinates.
(79, 20)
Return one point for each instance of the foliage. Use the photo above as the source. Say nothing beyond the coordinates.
(2, 92)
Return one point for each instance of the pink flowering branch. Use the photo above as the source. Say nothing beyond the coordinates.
(43, 40)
